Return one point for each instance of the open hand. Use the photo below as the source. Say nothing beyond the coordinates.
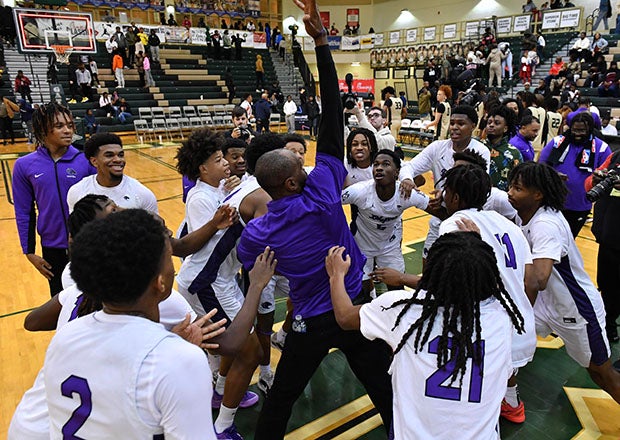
(312, 18)
(335, 263)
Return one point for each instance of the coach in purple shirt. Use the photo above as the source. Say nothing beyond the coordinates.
(304, 220)
(44, 177)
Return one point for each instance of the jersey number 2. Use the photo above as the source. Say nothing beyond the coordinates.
(434, 387)
(509, 256)
(78, 385)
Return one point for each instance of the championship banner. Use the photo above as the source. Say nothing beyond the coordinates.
(394, 37)
(411, 35)
(325, 19)
(198, 36)
(471, 28)
(449, 31)
(259, 39)
(367, 41)
(551, 20)
(503, 25)
(522, 23)
(350, 43)
(378, 40)
(429, 33)
(353, 17)
(570, 18)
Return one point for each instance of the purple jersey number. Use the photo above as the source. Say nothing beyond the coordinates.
(509, 256)
(434, 384)
(79, 386)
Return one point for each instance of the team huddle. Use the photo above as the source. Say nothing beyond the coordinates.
(134, 358)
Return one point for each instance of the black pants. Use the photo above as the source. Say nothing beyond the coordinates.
(302, 354)
(262, 125)
(7, 128)
(575, 219)
(58, 259)
(260, 81)
(608, 280)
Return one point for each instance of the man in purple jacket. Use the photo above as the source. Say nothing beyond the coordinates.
(44, 177)
(304, 219)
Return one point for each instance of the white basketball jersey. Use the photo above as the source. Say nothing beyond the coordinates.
(512, 252)
(426, 404)
(121, 376)
(377, 224)
(356, 174)
(554, 124)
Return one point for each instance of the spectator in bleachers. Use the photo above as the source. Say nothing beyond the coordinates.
(140, 68)
(604, 12)
(555, 4)
(226, 44)
(238, 41)
(259, 70)
(599, 45)
(22, 85)
(230, 84)
(581, 48)
(105, 103)
(216, 39)
(7, 112)
(117, 68)
(131, 38)
(246, 104)
(573, 69)
(274, 33)
(494, 60)
(123, 113)
(148, 77)
(187, 23)
(268, 35)
(529, 6)
(90, 122)
(162, 19)
(333, 30)
(525, 71)
(73, 84)
(263, 113)
(201, 23)
(596, 72)
(84, 80)
(111, 45)
(504, 46)
(557, 69)
(223, 24)
(171, 20)
(570, 96)
(542, 89)
(25, 113)
(540, 45)
(251, 27)
(607, 128)
(488, 41)
(154, 43)
(122, 45)
(529, 41)
(142, 42)
(94, 70)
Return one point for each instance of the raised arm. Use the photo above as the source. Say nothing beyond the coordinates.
(330, 140)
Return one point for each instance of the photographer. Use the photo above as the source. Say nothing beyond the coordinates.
(605, 229)
(242, 129)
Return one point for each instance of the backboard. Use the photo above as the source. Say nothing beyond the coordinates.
(39, 29)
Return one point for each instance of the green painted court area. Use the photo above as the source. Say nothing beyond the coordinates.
(549, 413)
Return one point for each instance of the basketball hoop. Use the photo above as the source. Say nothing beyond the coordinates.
(62, 53)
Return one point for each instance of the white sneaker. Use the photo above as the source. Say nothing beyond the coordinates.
(265, 381)
(276, 342)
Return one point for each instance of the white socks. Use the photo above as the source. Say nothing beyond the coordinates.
(219, 384)
(265, 369)
(224, 419)
(512, 396)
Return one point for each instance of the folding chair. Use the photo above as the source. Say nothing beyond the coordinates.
(207, 121)
(189, 111)
(175, 112)
(195, 122)
(145, 113)
(219, 109)
(174, 126)
(274, 119)
(158, 113)
(159, 126)
(143, 131)
(203, 110)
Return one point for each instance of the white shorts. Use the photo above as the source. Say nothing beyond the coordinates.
(584, 343)
(392, 259)
(278, 284)
(227, 303)
(433, 235)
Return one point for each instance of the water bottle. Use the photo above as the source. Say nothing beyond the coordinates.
(299, 325)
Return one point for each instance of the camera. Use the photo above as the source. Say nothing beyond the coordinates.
(349, 99)
(244, 132)
(604, 186)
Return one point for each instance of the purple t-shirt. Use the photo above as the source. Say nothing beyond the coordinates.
(300, 229)
(523, 145)
(576, 198)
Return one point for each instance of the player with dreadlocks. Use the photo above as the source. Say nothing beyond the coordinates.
(567, 302)
(449, 338)
(465, 194)
(44, 177)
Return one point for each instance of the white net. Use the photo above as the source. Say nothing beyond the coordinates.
(62, 53)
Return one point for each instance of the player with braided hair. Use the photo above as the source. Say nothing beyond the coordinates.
(566, 301)
(465, 193)
(449, 338)
(361, 147)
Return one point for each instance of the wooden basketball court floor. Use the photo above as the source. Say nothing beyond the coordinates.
(561, 401)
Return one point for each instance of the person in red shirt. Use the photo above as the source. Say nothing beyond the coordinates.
(22, 86)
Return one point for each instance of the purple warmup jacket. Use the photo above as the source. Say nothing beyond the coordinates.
(38, 179)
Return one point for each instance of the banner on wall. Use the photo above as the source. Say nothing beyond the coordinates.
(570, 18)
(350, 43)
(176, 34)
(367, 41)
(359, 85)
(429, 33)
(325, 19)
(259, 40)
(522, 23)
(471, 28)
(198, 36)
(503, 25)
(411, 36)
(334, 42)
(394, 37)
(449, 31)
(551, 20)
(353, 17)
(378, 39)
